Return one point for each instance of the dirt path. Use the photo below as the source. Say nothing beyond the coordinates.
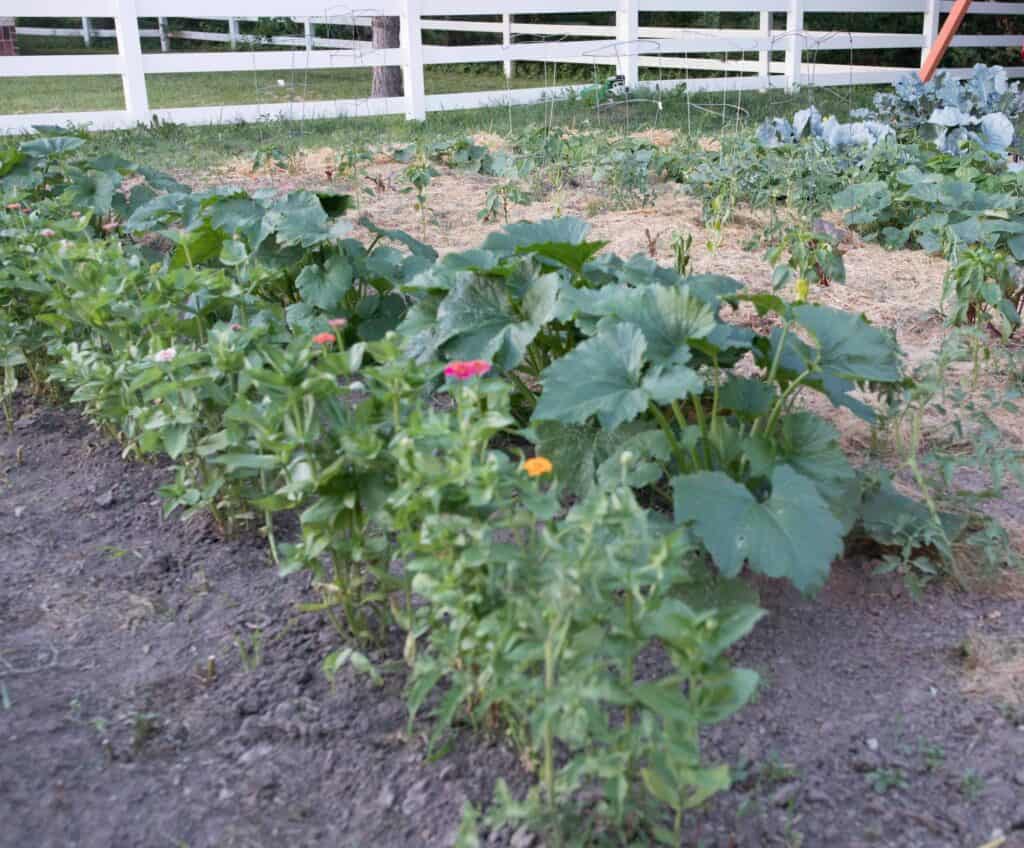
(116, 731)
(116, 735)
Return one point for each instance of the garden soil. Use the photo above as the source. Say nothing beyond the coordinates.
(159, 686)
(130, 716)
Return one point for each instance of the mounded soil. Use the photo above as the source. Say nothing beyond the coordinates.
(882, 719)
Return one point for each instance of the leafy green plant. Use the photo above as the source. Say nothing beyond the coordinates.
(811, 257)
(883, 780)
(270, 156)
(539, 627)
(350, 164)
(953, 112)
(951, 529)
(611, 356)
(419, 174)
(509, 191)
(983, 284)
(628, 171)
(682, 244)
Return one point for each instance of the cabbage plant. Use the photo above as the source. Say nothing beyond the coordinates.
(809, 123)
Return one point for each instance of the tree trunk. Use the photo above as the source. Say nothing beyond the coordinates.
(387, 79)
(7, 45)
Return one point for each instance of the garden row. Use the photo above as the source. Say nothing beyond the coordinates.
(428, 420)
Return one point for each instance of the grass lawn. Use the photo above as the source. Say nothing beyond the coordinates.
(175, 146)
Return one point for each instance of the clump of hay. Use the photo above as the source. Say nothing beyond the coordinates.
(995, 667)
(657, 137)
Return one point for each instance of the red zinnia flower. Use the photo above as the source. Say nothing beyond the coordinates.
(466, 369)
(323, 338)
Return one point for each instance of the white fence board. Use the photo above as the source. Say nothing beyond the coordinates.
(745, 55)
(59, 66)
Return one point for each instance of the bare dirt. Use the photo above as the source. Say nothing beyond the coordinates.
(882, 720)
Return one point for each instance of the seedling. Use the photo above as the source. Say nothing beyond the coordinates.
(972, 785)
(251, 650)
(933, 754)
(682, 244)
(884, 779)
(144, 728)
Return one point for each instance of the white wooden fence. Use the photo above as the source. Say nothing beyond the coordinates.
(745, 57)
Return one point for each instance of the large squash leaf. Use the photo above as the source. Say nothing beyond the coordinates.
(604, 377)
(668, 318)
(325, 286)
(494, 318)
(810, 446)
(850, 348)
(557, 239)
(792, 534)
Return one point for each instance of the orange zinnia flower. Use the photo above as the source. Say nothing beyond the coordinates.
(538, 465)
(323, 338)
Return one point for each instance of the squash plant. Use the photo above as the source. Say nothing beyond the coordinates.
(615, 358)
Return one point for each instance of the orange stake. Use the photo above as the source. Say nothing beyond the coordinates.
(942, 42)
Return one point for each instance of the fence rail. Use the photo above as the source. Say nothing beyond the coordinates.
(748, 58)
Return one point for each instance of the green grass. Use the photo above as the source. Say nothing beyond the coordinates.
(166, 91)
(175, 146)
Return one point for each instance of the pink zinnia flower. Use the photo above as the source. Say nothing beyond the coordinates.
(46, 232)
(466, 369)
(323, 338)
(337, 323)
(14, 207)
(110, 226)
(236, 327)
(165, 355)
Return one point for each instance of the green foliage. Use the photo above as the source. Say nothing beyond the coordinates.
(246, 337)
(220, 355)
(508, 192)
(959, 469)
(966, 207)
(541, 628)
(810, 257)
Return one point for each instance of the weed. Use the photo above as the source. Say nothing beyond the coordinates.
(144, 727)
(682, 244)
(774, 770)
(419, 174)
(270, 156)
(971, 785)
(250, 650)
(883, 780)
(933, 755)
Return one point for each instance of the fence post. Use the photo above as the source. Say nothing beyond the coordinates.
(794, 43)
(129, 54)
(627, 33)
(931, 27)
(233, 32)
(165, 41)
(764, 55)
(506, 41)
(309, 33)
(410, 39)
(86, 32)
